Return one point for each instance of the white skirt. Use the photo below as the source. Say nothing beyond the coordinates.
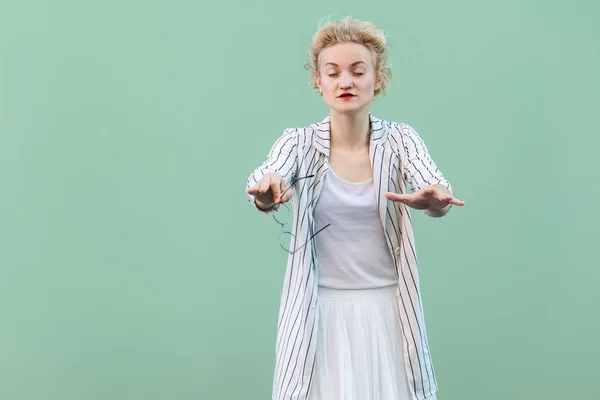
(359, 347)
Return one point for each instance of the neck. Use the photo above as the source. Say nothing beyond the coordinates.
(350, 131)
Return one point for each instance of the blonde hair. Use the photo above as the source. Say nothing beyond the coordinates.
(350, 30)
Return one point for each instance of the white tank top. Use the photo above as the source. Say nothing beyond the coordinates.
(352, 252)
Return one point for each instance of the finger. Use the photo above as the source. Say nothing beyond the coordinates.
(440, 195)
(430, 190)
(286, 194)
(276, 188)
(281, 188)
(457, 202)
(446, 198)
(253, 189)
(404, 198)
(265, 182)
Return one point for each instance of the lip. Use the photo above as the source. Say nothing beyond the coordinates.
(346, 95)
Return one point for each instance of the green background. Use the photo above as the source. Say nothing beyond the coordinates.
(133, 267)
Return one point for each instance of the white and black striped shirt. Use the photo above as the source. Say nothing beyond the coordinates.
(397, 155)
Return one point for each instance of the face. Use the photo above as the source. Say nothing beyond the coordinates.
(347, 77)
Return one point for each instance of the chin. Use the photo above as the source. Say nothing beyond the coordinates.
(349, 108)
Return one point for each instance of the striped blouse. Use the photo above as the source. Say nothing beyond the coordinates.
(398, 155)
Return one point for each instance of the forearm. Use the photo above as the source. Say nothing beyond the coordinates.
(438, 213)
(281, 160)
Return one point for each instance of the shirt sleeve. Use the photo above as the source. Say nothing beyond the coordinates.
(280, 159)
(419, 168)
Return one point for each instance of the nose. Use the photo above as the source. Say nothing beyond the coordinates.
(345, 81)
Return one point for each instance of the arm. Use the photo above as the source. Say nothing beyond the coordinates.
(281, 160)
(431, 190)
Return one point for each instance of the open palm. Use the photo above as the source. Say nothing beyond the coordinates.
(428, 198)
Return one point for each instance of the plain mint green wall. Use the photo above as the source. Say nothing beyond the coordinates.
(133, 267)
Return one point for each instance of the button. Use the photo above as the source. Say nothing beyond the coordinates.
(398, 292)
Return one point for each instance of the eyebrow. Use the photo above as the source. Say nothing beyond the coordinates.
(352, 65)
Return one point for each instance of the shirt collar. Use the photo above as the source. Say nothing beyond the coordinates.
(322, 133)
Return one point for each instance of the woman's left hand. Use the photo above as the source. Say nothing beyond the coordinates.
(433, 197)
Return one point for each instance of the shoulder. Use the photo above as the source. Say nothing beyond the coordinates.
(308, 133)
(394, 131)
(394, 127)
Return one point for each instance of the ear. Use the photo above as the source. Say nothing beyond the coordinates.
(319, 82)
(378, 80)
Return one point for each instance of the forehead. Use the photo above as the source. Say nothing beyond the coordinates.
(345, 54)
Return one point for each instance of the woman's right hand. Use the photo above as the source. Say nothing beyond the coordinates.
(271, 189)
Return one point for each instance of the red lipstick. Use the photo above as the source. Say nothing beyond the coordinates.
(346, 95)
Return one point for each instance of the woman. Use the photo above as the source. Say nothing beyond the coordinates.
(351, 323)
